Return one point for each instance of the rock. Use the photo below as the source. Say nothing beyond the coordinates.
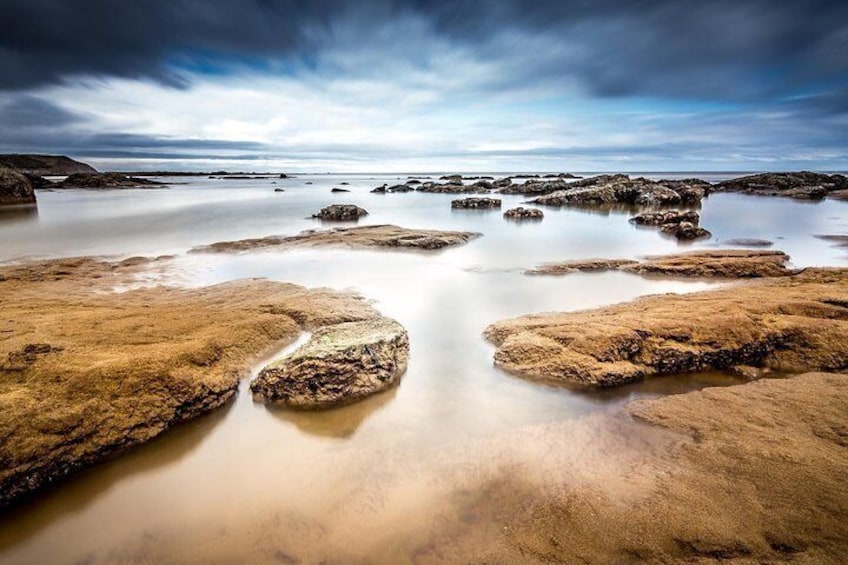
(44, 165)
(686, 231)
(452, 179)
(748, 242)
(400, 188)
(308, 182)
(724, 263)
(502, 183)
(279, 190)
(803, 185)
(476, 203)
(794, 323)
(38, 181)
(338, 365)
(560, 176)
(284, 176)
(483, 184)
(612, 189)
(667, 217)
(522, 213)
(364, 237)
(344, 183)
(379, 190)
(535, 188)
(341, 213)
(105, 181)
(413, 181)
(451, 188)
(15, 188)
(339, 190)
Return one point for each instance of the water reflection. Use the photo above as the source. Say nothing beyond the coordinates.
(23, 213)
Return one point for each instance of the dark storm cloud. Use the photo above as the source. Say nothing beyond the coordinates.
(729, 49)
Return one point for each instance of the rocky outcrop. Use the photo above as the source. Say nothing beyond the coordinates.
(725, 263)
(686, 231)
(15, 188)
(682, 225)
(535, 187)
(621, 189)
(476, 203)
(44, 165)
(792, 324)
(338, 365)
(803, 185)
(105, 181)
(365, 237)
(452, 179)
(451, 188)
(522, 213)
(341, 213)
(86, 373)
(666, 217)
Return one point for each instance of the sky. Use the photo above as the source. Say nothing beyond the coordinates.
(409, 85)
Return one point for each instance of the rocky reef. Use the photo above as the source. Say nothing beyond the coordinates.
(522, 213)
(86, 373)
(803, 185)
(619, 189)
(341, 213)
(15, 188)
(339, 364)
(365, 237)
(793, 323)
(476, 204)
(681, 224)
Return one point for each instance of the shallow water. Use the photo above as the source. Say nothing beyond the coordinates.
(374, 476)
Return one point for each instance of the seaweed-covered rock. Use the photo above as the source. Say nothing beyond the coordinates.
(341, 213)
(522, 213)
(476, 203)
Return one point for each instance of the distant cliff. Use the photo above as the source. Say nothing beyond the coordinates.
(44, 165)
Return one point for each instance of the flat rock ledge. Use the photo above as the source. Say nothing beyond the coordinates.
(722, 264)
(339, 364)
(364, 237)
(522, 213)
(341, 213)
(804, 185)
(792, 324)
(476, 204)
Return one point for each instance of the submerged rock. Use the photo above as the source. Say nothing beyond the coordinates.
(279, 190)
(476, 203)
(15, 188)
(804, 185)
(748, 242)
(341, 213)
(338, 365)
(522, 213)
(793, 324)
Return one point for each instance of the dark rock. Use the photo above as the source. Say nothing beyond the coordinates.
(535, 187)
(451, 188)
(484, 184)
(502, 183)
(38, 181)
(803, 185)
(15, 188)
(284, 176)
(413, 181)
(476, 203)
(308, 182)
(104, 180)
(400, 188)
(339, 364)
(452, 179)
(344, 183)
(685, 231)
(341, 213)
(522, 213)
(621, 189)
(339, 190)
(667, 217)
(279, 190)
(379, 190)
